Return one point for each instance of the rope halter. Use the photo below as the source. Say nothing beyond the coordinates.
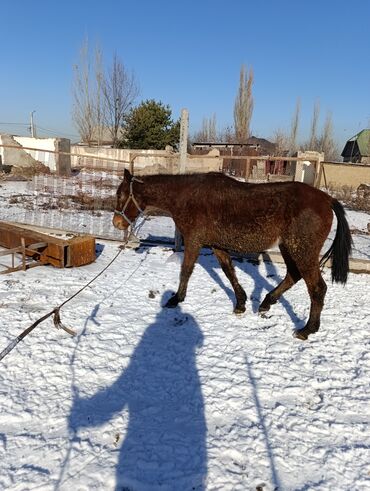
(132, 198)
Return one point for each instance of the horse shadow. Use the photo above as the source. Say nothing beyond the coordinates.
(99, 248)
(262, 283)
(164, 445)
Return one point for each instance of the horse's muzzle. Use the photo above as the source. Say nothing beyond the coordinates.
(119, 223)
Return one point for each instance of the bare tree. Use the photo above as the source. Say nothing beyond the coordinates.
(120, 90)
(202, 134)
(326, 141)
(294, 128)
(313, 132)
(208, 132)
(282, 142)
(227, 135)
(212, 128)
(243, 107)
(83, 113)
(98, 89)
(88, 104)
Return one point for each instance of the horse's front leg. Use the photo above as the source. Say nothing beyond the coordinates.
(191, 252)
(227, 267)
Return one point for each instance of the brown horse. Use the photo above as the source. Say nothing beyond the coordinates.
(217, 211)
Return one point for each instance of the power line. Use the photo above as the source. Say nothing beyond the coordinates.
(49, 130)
(45, 130)
(17, 124)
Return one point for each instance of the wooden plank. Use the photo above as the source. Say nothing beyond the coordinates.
(10, 251)
(13, 269)
(77, 250)
(23, 253)
(39, 245)
(32, 249)
(12, 232)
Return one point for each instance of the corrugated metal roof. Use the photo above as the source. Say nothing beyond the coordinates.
(363, 142)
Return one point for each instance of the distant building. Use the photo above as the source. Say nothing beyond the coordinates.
(102, 137)
(357, 148)
(253, 146)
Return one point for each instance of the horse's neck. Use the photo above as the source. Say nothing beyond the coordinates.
(161, 193)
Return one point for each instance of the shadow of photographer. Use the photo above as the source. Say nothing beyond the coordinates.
(164, 445)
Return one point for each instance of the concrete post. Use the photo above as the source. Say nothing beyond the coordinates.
(62, 162)
(32, 127)
(183, 147)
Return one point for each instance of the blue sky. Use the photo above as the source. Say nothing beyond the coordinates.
(189, 54)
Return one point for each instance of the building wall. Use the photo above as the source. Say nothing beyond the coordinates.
(343, 174)
(14, 157)
(305, 171)
(146, 161)
(23, 155)
(46, 158)
(56, 163)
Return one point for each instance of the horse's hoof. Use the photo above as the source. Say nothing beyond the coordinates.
(305, 332)
(171, 305)
(302, 334)
(264, 307)
(239, 311)
(172, 302)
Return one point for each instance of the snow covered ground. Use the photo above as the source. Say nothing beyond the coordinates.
(195, 398)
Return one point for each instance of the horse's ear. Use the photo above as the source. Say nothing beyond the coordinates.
(127, 175)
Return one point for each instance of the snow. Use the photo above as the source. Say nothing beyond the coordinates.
(194, 398)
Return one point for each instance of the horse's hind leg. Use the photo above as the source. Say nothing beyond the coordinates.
(227, 267)
(191, 252)
(292, 276)
(317, 289)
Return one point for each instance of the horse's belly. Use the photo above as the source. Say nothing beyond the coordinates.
(246, 241)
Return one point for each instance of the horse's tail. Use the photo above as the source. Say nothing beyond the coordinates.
(341, 247)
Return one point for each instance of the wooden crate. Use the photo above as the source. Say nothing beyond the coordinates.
(62, 252)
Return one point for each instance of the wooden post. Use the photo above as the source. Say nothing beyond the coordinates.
(183, 147)
(23, 242)
(322, 168)
(247, 169)
(132, 158)
(318, 172)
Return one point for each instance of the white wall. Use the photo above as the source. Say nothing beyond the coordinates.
(49, 159)
(305, 171)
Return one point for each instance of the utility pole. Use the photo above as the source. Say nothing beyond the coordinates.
(183, 147)
(33, 128)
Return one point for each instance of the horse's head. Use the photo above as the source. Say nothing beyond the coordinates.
(129, 205)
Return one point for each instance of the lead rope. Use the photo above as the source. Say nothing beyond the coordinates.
(56, 311)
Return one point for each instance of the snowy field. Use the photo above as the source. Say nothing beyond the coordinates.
(145, 398)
